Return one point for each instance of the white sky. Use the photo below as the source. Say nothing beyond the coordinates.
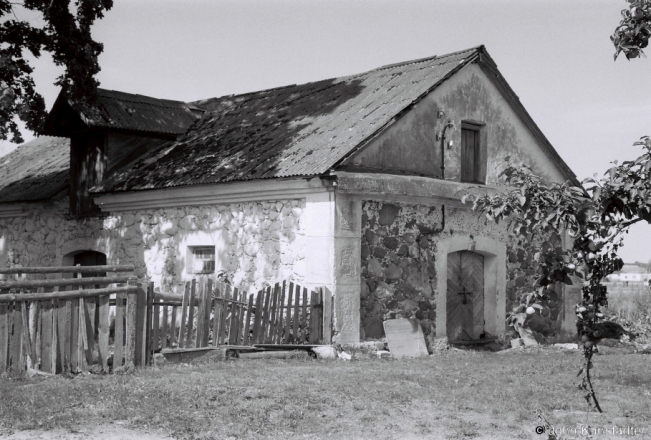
(555, 54)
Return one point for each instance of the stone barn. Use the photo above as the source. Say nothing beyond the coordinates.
(352, 182)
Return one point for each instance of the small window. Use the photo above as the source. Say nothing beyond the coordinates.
(471, 157)
(201, 259)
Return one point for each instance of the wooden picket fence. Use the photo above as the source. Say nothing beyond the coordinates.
(59, 325)
(63, 325)
(209, 315)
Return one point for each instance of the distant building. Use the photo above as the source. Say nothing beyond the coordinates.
(631, 273)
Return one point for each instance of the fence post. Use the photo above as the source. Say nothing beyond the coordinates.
(207, 303)
(184, 314)
(103, 332)
(149, 346)
(142, 322)
(16, 341)
(4, 337)
(190, 324)
(130, 352)
(118, 354)
(156, 327)
(46, 336)
(315, 317)
(326, 296)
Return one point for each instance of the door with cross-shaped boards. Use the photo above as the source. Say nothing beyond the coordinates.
(465, 296)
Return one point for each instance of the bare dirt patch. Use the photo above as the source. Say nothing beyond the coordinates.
(103, 432)
(477, 395)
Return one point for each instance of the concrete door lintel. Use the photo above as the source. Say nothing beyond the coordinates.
(494, 253)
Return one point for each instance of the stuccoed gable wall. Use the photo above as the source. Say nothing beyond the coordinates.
(399, 279)
(410, 145)
(256, 243)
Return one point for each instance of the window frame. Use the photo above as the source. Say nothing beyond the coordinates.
(191, 257)
(479, 160)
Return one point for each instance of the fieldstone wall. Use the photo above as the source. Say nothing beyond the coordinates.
(37, 239)
(257, 243)
(399, 276)
(398, 270)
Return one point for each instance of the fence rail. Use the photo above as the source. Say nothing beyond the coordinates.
(67, 269)
(31, 284)
(66, 294)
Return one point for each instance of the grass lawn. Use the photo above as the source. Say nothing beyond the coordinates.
(458, 394)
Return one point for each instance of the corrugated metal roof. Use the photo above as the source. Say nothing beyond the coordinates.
(137, 112)
(289, 131)
(36, 170)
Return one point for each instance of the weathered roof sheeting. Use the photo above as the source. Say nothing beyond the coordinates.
(126, 111)
(141, 113)
(36, 170)
(289, 131)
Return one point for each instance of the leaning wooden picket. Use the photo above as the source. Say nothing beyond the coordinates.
(50, 325)
(211, 314)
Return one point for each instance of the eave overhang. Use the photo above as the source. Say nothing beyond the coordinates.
(211, 194)
(412, 189)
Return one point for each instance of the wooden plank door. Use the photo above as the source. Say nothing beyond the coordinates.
(465, 296)
(470, 159)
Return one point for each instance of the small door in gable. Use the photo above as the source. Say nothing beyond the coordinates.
(465, 296)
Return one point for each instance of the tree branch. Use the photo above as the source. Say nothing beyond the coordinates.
(588, 365)
(631, 222)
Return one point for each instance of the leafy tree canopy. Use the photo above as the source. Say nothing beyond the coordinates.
(632, 34)
(66, 36)
(595, 216)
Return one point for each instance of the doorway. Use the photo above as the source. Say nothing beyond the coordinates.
(89, 258)
(465, 296)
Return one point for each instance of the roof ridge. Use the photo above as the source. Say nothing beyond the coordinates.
(159, 102)
(422, 60)
(343, 77)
